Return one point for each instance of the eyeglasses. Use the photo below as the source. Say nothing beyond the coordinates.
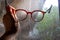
(36, 15)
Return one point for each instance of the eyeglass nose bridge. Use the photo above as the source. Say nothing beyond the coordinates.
(29, 12)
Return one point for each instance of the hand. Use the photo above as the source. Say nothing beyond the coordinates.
(10, 20)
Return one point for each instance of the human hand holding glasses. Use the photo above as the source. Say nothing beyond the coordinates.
(36, 15)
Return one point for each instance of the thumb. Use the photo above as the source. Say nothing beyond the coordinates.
(12, 10)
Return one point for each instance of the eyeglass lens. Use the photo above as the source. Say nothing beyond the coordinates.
(37, 16)
(21, 15)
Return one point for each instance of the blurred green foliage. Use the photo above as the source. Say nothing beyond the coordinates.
(49, 19)
(48, 25)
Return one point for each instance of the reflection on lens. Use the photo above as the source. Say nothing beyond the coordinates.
(37, 16)
(21, 15)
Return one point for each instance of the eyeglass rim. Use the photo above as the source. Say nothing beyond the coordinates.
(31, 14)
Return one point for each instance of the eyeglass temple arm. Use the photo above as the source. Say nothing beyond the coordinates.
(49, 10)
